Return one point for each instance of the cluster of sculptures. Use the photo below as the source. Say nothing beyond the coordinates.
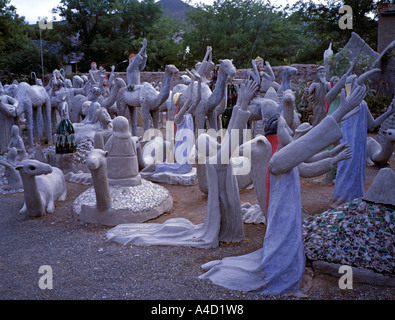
(277, 155)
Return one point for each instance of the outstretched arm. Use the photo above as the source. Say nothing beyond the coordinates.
(327, 132)
(180, 115)
(143, 53)
(238, 121)
(196, 102)
(317, 168)
(270, 77)
(372, 123)
(204, 63)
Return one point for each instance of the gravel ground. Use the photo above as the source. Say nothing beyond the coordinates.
(86, 266)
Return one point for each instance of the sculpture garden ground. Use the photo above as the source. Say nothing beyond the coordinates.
(87, 266)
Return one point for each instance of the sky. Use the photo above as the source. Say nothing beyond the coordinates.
(31, 10)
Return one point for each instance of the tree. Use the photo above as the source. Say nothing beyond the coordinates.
(321, 25)
(107, 29)
(242, 30)
(18, 53)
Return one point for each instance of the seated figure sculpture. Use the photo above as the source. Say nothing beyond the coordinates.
(278, 267)
(264, 80)
(183, 120)
(10, 171)
(86, 128)
(17, 143)
(104, 133)
(8, 116)
(122, 162)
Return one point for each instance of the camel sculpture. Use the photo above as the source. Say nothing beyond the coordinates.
(34, 101)
(212, 103)
(206, 108)
(76, 111)
(379, 154)
(42, 186)
(146, 97)
(97, 164)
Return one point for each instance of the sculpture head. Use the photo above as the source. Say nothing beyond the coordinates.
(15, 131)
(171, 68)
(131, 57)
(334, 80)
(105, 81)
(321, 74)
(259, 63)
(302, 130)
(93, 65)
(33, 168)
(227, 66)
(271, 126)
(96, 92)
(288, 72)
(121, 128)
(56, 73)
(389, 135)
(95, 159)
(104, 117)
(350, 83)
(68, 84)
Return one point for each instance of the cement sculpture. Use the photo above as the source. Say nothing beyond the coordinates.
(279, 266)
(223, 219)
(34, 101)
(8, 113)
(319, 88)
(145, 96)
(42, 185)
(350, 175)
(379, 154)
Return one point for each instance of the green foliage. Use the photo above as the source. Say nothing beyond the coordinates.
(108, 31)
(340, 63)
(377, 104)
(241, 30)
(321, 25)
(18, 54)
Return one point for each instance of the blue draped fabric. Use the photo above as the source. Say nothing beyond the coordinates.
(350, 175)
(182, 148)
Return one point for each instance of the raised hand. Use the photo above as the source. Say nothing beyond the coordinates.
(245, 92)
(345, 154)
(348, 104)
(338, 149)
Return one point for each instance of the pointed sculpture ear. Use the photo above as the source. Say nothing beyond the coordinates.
(385, 132)
(220, 60)
(105, 154)
(19, 167)
(231, 60)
